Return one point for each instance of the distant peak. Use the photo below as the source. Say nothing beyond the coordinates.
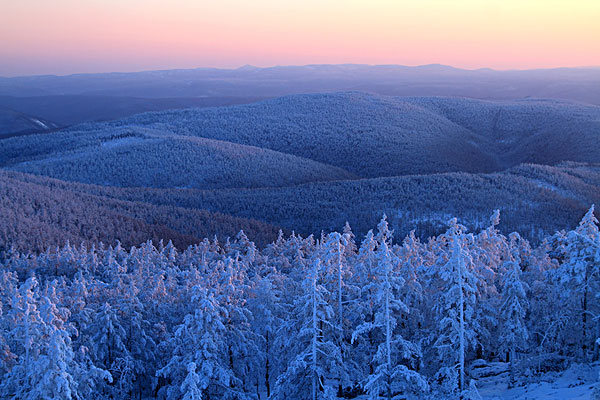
(437, 66)
(247, 67)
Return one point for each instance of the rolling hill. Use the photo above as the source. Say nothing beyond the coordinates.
(308, 163)
(143, 157)
(549, 198)
(366, 135)
(38, 212)
(78, 98)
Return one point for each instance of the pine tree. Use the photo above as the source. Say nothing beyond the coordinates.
(108, 336)
(410, 269)
(489, 252)
(364, 305)
(334, 261)
(51, 371)
(199, 340)
(455, 307)
(190, 386)
(8, 288)
(232, 293)
(350, 249)
(311, 354)
(25, 331)
(514, 333)
(396, 357)
(27, 335)
(582, 274)
(267, 309)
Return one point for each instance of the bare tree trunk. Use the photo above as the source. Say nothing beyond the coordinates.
(388, 334)
(461, 305)
(340, 317)
(511, 381)
(584, 317)
(267, 367)
(314, 339)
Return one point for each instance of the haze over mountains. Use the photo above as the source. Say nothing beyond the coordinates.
(307, 162)
(72, 99)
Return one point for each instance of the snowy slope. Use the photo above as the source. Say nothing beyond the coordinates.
(137, 157)
(576, 383)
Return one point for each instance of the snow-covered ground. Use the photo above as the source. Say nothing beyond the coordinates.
(577, 382)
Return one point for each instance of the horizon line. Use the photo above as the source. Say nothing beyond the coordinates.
(248, 66)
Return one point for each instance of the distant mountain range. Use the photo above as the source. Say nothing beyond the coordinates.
(307, 163)
(579, 84)
(72, 99)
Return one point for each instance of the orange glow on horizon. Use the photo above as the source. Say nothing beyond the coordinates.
(67, 36)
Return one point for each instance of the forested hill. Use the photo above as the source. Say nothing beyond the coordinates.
(306, 163)
(536, 200)
(578, 84)
(365, 135)
(73, 99)
(37, 213)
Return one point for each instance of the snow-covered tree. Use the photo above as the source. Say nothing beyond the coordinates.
(514, 333)
(297, 319)
(350, 249)
(199, 340)
(489, 252)
(27, 336)
(336, 265)
(268, 311)
(410, 268)
(311, 354)
(581, 276)
(396, 358)
(190, 386)
(455, 306)
(52, 371)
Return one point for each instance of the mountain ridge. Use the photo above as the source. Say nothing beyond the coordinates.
(312, 162)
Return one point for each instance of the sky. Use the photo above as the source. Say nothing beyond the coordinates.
(71, 36)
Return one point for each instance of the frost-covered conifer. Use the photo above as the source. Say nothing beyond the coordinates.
(311, 354)
(456, 301)
(364, 307)
(199, 340)
(489, 251)
(514, 333)
(350, 248)
(336, 265)
(268, 312)
(410, 268)
(581, 275)
(190, 386)
(396, 358)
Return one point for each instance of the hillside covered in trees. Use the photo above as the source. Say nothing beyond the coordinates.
(304, 163)
(536, 200)
(326, 317)
(366, 135)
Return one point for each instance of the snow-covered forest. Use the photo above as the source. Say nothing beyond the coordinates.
(304, 318)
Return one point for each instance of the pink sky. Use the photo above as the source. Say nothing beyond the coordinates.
(68, 36)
